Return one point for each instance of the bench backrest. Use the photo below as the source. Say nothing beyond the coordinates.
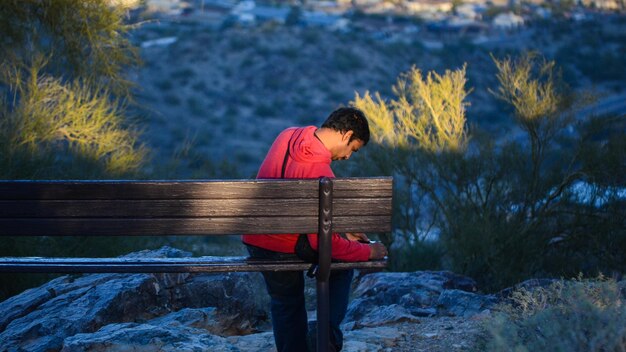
(61, 208)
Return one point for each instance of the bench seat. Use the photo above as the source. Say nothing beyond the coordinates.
(165, 265)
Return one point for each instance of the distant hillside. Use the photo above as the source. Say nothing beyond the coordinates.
(208, 96)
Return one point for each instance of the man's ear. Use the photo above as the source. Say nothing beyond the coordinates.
(346, 136)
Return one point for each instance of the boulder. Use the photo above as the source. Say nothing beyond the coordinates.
(145, 337)
(216, 312)
(40, 319)
(464, 304)
(383, 316)
(189, 330)
(418, 293)
(373, 339)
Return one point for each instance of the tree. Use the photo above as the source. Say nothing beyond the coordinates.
(64, 90)
(425, 122)
(500, 210)
(75, 39)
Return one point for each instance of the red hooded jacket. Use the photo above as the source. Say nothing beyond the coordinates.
(308, 158)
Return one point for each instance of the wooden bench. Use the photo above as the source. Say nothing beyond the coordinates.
(206, 208)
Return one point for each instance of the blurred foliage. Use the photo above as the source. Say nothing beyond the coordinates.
(78, 38)
(539, 202)
(568, 316)
(63, 94)
(64, 130)
(63, 91)
(430, 113)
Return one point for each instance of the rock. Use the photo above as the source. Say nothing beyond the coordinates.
(216, 312)
(186, 330)
(418, 299)
(373, 339)
(385, 315)
(22, 304)
(622, 287)
(465, 304)
(41, 319)
(207, 319)
(458, 282)
(418, 292)
(129, 336)
(240, 297)
(261, 342)
(423, 312)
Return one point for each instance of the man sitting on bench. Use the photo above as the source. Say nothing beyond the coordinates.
(307, 152)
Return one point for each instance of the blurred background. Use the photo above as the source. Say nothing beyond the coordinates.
(503, 122)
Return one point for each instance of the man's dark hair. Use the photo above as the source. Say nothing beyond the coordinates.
(349, 119)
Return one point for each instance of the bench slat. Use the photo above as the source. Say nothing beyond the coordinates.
(188, 208)
(164, 265)
(208, 189)
(187, 226)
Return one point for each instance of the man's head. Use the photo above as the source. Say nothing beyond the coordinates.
(349, 131)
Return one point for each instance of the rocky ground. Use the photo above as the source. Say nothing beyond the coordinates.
(439, 334)
(413, 311)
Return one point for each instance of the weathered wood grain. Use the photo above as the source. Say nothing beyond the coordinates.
(164, 265)
(208, 189)
(187, 226)
(188, 208)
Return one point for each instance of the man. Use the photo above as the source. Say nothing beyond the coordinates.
(307, 152)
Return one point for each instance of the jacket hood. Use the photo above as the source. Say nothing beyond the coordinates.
(305, 147)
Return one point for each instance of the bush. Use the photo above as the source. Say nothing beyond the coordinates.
(502, 211)
(86, 39)
(346, 61)
(62, 97)
(264, 110)
(172, 99)
(63, 131)
(568, 316)
(196, 107)
(165, 85)
(183, 75)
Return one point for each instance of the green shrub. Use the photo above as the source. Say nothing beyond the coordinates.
(64, 130)
(567, 316)
(242, 42)
(272, 82)
(291, 52)
(200, 86)
(195, 106)
(264, 110)
(164, 85)
(77, 39)
(501, 211)
(172, 99)
(345, 60)
(63, 89)
(183, 75)
(311, 37)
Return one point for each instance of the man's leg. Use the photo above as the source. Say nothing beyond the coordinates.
(286, 290)
(340, 284)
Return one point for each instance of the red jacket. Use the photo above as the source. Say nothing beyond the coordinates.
(309, 158)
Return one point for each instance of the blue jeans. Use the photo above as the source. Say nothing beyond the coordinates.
(289, 318)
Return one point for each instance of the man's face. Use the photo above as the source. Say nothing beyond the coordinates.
(345, 149)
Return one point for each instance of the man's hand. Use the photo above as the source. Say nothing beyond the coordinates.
(357, 236)
(378, 251)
